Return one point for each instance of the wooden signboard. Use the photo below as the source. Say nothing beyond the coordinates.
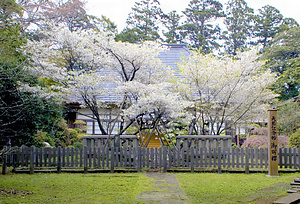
(273, 142)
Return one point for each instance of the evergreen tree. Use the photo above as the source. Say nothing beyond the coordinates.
(199, 29)
(171, 23)
(239, 18)
(267, 24)
(287, 24)
(21, 113)
(143, 22)
(282, 55)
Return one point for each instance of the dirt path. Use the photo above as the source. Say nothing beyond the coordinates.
(168, 190)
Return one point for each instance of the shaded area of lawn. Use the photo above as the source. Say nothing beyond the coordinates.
(234, 188)
(73, 188)
(124, 187)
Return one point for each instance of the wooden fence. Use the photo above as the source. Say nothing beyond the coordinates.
(87, 159)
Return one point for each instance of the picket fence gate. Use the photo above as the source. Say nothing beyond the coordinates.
(89, 159)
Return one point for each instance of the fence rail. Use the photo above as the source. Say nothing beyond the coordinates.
(110, 159)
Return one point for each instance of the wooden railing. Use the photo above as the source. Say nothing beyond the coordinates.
(33, 159)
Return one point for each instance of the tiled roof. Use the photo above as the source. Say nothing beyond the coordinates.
(169, 57)
(173, 55)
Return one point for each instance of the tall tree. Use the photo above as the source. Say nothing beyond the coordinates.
(21, 114)
(282, 55)
(199, 29)
(154, 107)
(71, 13)
(287, 24)
(143, 22)
(11, 60)
(267, 24)
(239, 19)
(225, 89)
(171, 22)
(87, 66)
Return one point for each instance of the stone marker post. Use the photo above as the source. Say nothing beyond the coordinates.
(272, 142)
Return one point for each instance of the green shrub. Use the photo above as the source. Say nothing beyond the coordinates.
(67, 136)
(40, 137)
(294, 139)
(78, 144)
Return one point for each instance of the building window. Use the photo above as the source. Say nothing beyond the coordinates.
(93, 127)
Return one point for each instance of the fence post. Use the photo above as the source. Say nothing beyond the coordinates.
(59, 160)
(112, 160)
(192, 159)
(85, 159)
(219, 161)
(165, 158)
(139, 160)
(4, 165)
(31, 171)
(247, 160)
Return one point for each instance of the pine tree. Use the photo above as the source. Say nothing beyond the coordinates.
(143, 22)
(199, 29)
(283, 58)
(267, 24)
(171, 23)
(239, 18)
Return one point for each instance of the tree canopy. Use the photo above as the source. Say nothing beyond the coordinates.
(283, 58)
(239, 23)
(142, 22)
(54, 52)
(225, 89)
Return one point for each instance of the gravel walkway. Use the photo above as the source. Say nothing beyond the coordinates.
(168, 190)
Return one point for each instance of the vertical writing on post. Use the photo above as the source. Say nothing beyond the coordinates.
(273, 142)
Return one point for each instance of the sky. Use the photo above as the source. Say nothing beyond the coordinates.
(118, 10)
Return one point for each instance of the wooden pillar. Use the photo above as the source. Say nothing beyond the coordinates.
(165, 159)
(59, 160)
(112, 160)
(139, 159)
(85, 159)
(31, 169)
(4, 165)
(247, 160)
(192, 159)
(219, 160)
(272, 143)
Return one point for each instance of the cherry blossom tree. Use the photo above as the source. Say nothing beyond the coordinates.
(70, 13)
(80, 65)
(225, 89)
(153, 107)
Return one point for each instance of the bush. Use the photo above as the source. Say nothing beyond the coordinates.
(256, 142)
(40, 137)
(68, 136)
(78, 144)
(81, 125)
(260, 131)
(294, 139)
(262, 142)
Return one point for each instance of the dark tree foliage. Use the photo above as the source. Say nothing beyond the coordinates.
(267, 24)
(171, 22)
(199, 29)
(287, 24)
(239, 23)
(143, 22)
(283, 54)
(288, 83)
(21, 114)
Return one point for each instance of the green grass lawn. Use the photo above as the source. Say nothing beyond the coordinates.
(124, 187)
(235, 188)
(73, 188)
